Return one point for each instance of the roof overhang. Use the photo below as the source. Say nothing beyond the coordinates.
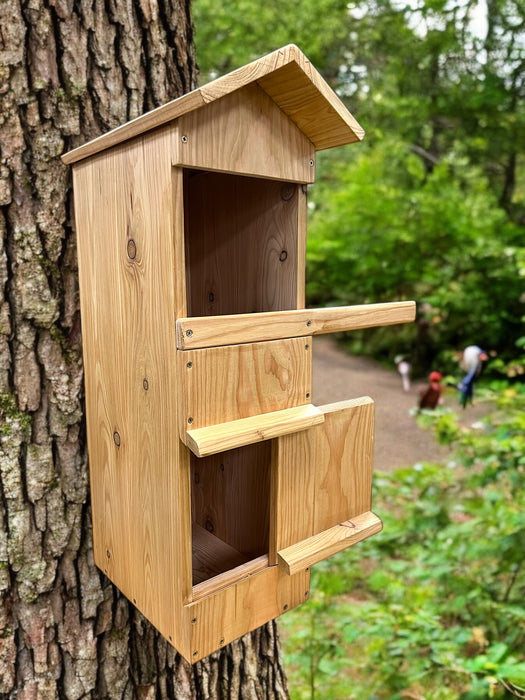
(286, 75)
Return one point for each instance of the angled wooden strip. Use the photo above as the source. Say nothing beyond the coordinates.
(210, 331)
(245, 431)
(299, 556)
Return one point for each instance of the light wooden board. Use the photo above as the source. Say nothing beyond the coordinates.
(229, 578)
(204, 332)
(306, 98)
(344, 461)
(139, 470)
(231, 496)
(323, 476)
(246, 133)
(228, 383)
(243, 247)
(303, 554)
(212, 556)
(246, 431)
(228, 614)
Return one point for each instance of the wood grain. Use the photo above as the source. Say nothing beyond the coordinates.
(306, 99)
(139, 469)
(245, 431)
(328, 542)
(245, 132)
(231, 496)
(227, 614)
(237, 381)
(322, 476)
(204, 332)
(243, 248)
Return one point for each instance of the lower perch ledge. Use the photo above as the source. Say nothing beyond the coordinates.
(321, 546)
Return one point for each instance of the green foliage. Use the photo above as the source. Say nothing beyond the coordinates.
(385, 229)
(231, 33)
(432, 607)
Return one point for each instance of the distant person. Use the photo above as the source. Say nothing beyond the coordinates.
(472, 363)
(431, 396)
(404, 369)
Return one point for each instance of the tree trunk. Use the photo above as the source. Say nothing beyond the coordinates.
(70, 70)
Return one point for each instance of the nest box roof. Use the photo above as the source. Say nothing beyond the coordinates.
(286, 75)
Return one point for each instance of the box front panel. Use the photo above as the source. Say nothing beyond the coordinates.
(227, 383)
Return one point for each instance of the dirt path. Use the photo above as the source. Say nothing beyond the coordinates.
(398, 439)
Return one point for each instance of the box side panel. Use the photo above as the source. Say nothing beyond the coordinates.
(220, 618)
(139, 470)
(246, 133)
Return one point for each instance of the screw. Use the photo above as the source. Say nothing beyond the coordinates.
(189, 365)
(190, 420)
(221, 642)
(308, 323)
(307, 394)
(189, 332)
(194, 620)
(184, 139)
(306, 347)
(306, 594)
(311, 163)
(285, 607)
(195, 653)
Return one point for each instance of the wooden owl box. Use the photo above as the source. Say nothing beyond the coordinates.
(215, 481)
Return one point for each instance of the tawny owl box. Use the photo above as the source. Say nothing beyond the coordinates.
(216, 482)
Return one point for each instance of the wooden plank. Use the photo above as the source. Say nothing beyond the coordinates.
(237, 381)
(344, 462)
(304, 96)
(229, 578)
(139, 469)
(293, 483)
(245, 132)
(212, 556)
(336, 121)
(323, 545)
(229, 613)
(322, 476)
(201, 332)
(226, 436)
(240, 259)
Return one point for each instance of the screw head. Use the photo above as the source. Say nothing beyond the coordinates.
(184, 139)
(189, 332)
(190, 420)
(308, 323)
(189, 365)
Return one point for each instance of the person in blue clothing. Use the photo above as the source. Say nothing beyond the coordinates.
(472, 363)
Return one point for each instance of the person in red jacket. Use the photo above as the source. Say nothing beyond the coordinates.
(431, 396)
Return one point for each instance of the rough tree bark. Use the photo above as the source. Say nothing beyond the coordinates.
(70, 70)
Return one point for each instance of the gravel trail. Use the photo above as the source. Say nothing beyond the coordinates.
(398, 439)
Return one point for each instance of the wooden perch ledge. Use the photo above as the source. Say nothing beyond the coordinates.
(212, 331)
